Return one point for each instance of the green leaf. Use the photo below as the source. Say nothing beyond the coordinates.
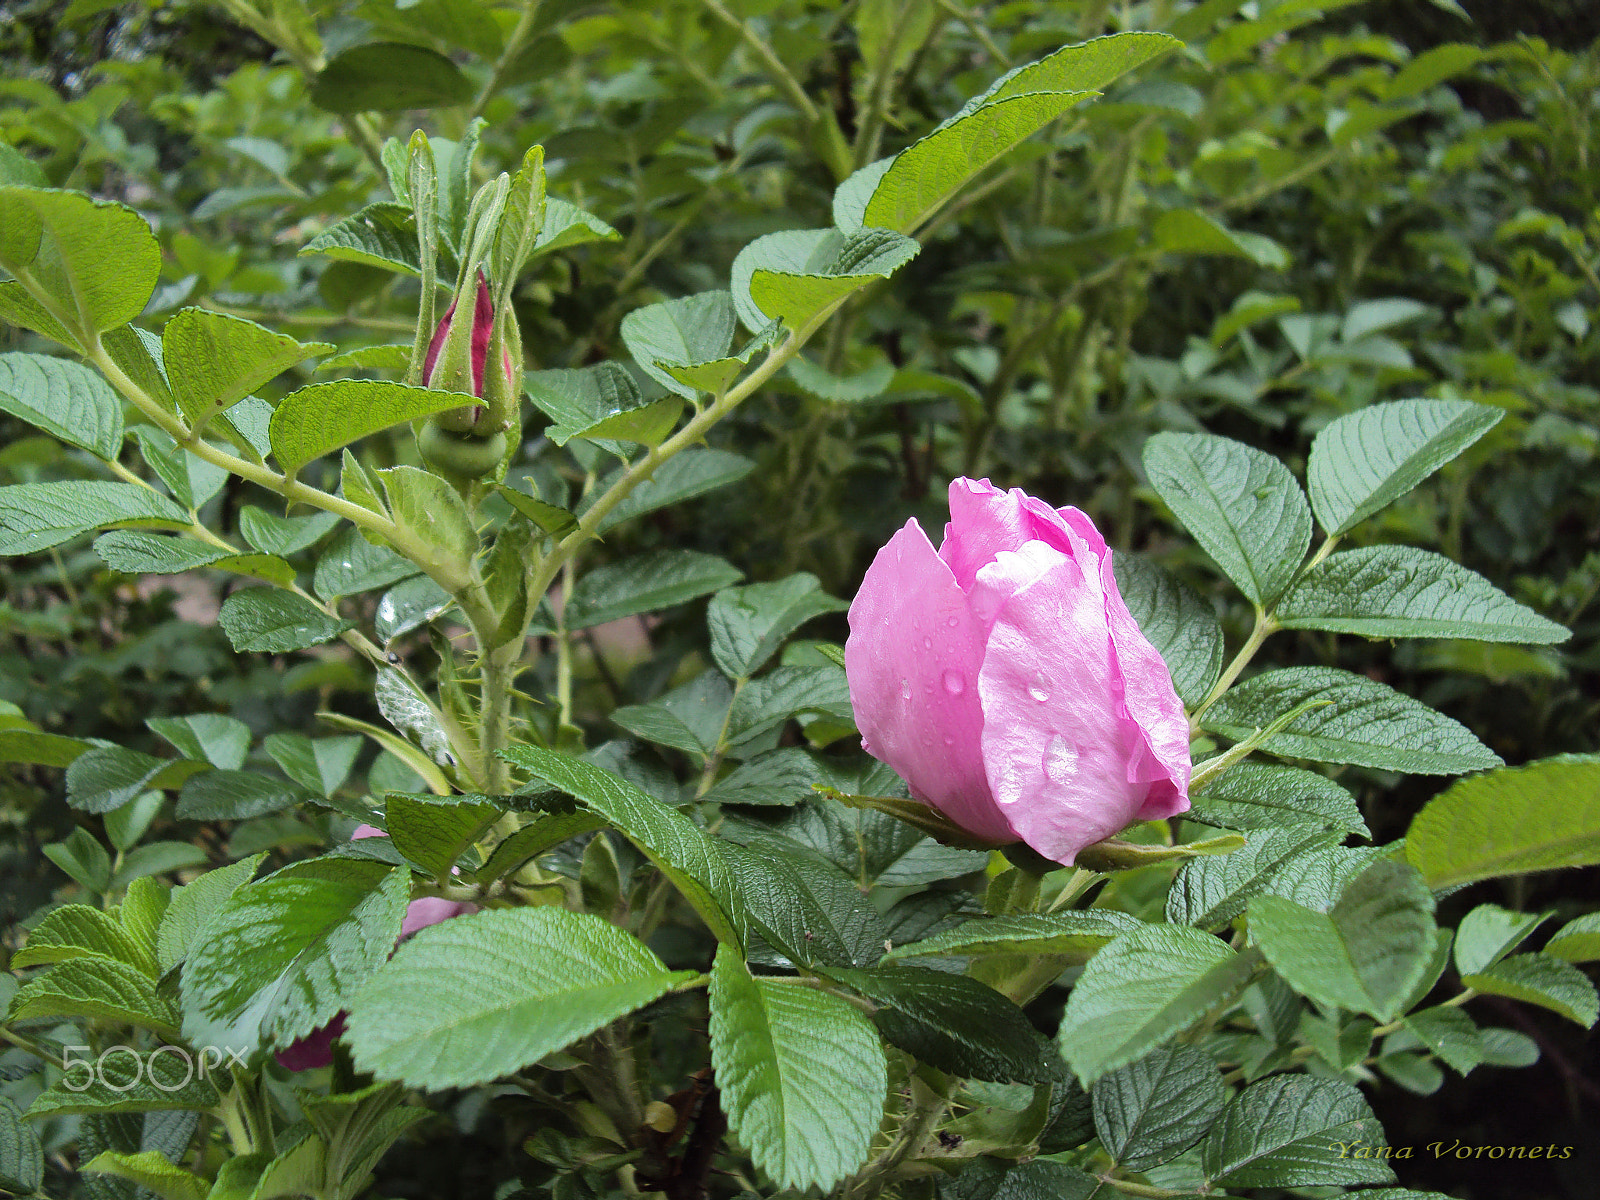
(917, 181)
(1398, 591)
(235, 796)
(689, 718)
(679, 333)
(151, 1170)
(1155, 1108)
(433, 515)
(1242, 506)
(191, 907)
(352, 565)
(273, 622)
(136, 553)
(99, 989)
(83, 858)
(433, 831)
(37, 516)
(409, 605)
(100, 261)
(693, 472)
(79, 931)
(785, 692)
(46, 749)
(1578, 940)
(157, 858)
(1449, 1033)
(716, 376)
(1189, 231)
(1488, 933)
(321, 417)
(1366, 954)
(522, 221)
(685, 853)
(794, 275)
(544, 833)
(749, 624)
(318, 764)
(1285, 1132)
(841, 389)
(18, 308)
(107, 777)
(1076, 935)
(167, 1079)
(389, 77)
(955, 1023)
(214, 360)
(524, 983)
(601, 401)
(551, 518)
(381, 235)
(802, 1076)
(1532, 818)
(782, 777)
(1209, 892)
(1364, 722)
(805, 907)
(1141, 989)
(393, 356)
(65, 399)
(646, 583)
(205, 737)
(1178, 623)
(1541, 979)
(283, 535)
(21, 1157)
(279, 957)
(1368, 459)
(568, 225)
(191, 480)
(1254, 795)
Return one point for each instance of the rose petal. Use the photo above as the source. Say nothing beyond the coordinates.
(314, 1050)
(912, 660)
(1057, 738)
(984, 521)
(1153, 705)
(431, 910)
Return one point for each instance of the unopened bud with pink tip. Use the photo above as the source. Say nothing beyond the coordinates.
(457, 356)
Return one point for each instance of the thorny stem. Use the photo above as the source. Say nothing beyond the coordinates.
(787, 83)
(514, 43)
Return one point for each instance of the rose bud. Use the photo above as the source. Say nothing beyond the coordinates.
(457, 356)
(316, 1048)
(1004, 679)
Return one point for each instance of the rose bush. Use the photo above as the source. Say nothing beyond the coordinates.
(1004, 679)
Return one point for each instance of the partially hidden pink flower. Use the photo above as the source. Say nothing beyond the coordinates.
(1004, 679)
(316, 1048)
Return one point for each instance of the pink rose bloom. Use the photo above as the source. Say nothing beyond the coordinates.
(316, 1048)
(1004, 679)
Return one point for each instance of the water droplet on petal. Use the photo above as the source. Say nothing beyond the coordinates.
(1060, 759)
(905, 689)
(927, 643)
(954, 683)
(953, 622)
(1038, 693)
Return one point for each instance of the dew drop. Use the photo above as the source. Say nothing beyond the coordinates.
(1038, 693)
(905, 689)
(927, 643)
(953, 622)
(1060, 759)
(954, 683)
